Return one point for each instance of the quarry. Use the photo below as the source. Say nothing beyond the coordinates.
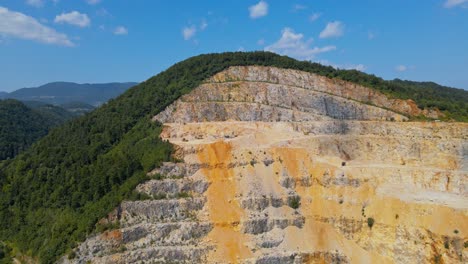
(284, 166)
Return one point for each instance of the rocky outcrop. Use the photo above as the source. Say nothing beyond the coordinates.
(322, 84)
(271, 175)
(259, 94)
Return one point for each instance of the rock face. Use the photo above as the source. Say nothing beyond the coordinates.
(262, 94)
(281, 166)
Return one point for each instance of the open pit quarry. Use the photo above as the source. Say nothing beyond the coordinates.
(283, 166)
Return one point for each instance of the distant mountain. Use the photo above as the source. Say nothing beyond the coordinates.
(22, 125)
(58, 93)
(3, 94)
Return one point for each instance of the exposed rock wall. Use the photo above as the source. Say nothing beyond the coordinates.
(321, 84)
(259, 94)
(301, 188)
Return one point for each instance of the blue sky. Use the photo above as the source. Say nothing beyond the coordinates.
(131, 40)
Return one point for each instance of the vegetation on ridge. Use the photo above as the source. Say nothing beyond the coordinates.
(21, 126)
(53, 194)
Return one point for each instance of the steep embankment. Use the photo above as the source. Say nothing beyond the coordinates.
(282, 166)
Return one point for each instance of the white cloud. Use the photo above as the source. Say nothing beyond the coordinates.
(401, 68)
(259, 10)
(333, 30)
(454, 3)
(35, 3)
(358, 67)
(293, 45)
(241, 49)
(19, 25)
(93, 2)
(120, 30)
(189, 32)
(298, 7)
(102, 12)
(73, 18)
(203, 25)
(40, 3)
(314, 17)
(261, 42)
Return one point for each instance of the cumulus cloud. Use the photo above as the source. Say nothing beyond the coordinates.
(294, 45)
(39, 3)
(35, 3)
(401, 68)
(93, 2)
(19, 25)
(298, 7)
(120, 30)
(333, 30)
(314, 17)
(203, 25)
(189, 32)
(358, 67)
(258, 10)
(102, 12)
(73, 18)
(454, 3)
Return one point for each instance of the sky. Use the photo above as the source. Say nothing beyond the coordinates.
(96, 41)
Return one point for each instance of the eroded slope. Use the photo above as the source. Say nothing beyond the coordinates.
(309, 185)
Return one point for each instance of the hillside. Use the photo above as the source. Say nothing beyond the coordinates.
(58, 93)
(433, 95)
(21, 125)
(54, 193)
(56, 115)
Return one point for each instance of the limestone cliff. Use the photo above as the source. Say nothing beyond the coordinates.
(281, 166)
(273, 94)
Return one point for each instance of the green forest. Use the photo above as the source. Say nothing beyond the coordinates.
(21, 126)
(53, 194)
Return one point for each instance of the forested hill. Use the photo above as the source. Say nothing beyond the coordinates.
(21, 126)
(452, 101)
(53, 194)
